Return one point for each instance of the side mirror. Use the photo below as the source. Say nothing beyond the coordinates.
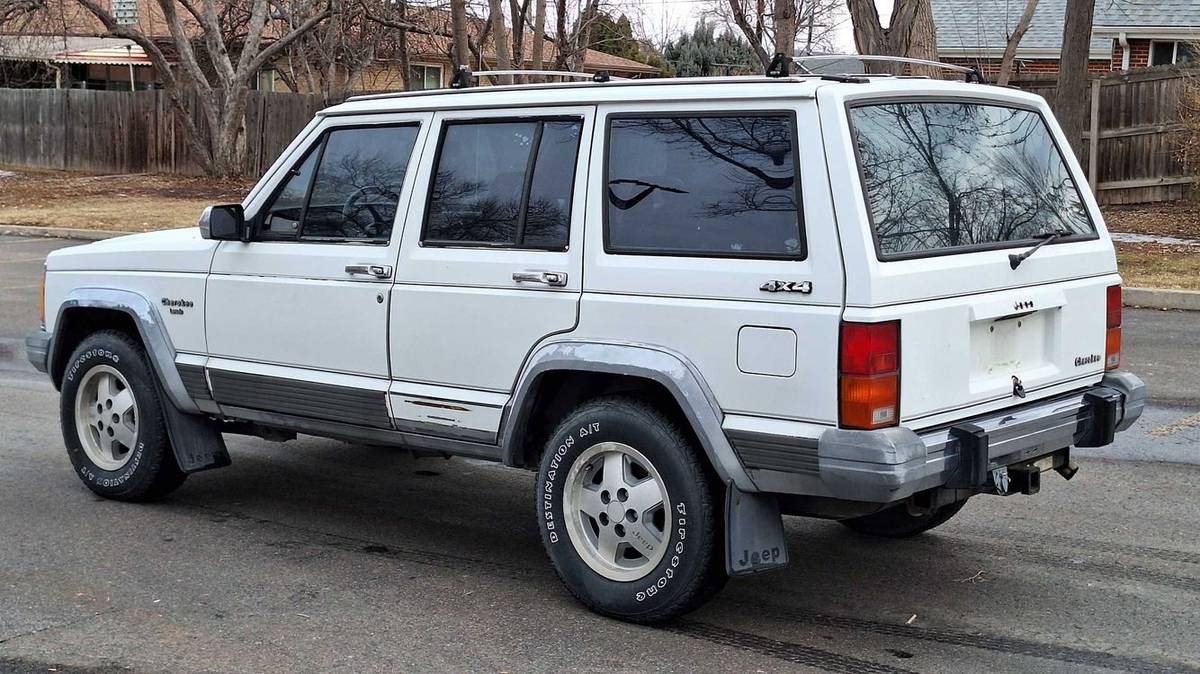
(224, 223)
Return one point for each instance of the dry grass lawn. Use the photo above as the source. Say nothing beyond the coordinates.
(1176, 267)
(142, 203)
(118, 203)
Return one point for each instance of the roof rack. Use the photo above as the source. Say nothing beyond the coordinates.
(780, 65)
(463, 77)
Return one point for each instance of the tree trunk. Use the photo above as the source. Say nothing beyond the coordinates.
(785, 27)
(1014, 40)
(911, 32)
(500, 40)
(752, 33)
(539, 36)
(1071, 96)
(458, 26)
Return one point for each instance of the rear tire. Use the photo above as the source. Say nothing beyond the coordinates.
(897, 522)
(644, 539)
(112, 421)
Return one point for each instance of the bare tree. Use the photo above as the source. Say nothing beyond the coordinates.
(223, 86)
(910, 32)
(1071, 95)
(787, 27)
(1014, 40)
(571, 38)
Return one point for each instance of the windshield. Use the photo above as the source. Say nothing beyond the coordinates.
(948, 177)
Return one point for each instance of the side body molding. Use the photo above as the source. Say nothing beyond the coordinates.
(671, 370)
(149, 324)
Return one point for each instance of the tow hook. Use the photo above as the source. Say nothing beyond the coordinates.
(1067, 470)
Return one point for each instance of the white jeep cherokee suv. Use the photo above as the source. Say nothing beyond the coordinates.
(690, 305)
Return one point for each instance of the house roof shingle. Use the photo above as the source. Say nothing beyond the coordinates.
(981, 28)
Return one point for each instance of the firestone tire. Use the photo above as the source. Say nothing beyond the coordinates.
(896, 522)
(136, 463)
(669, 560)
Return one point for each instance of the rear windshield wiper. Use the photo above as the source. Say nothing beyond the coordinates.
(1015, 260)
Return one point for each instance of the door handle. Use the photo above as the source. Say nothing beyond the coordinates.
(557, 279)
(381, 271)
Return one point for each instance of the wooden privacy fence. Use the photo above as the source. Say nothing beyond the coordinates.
(1134, 133)
(1131, 153)
(133, 132)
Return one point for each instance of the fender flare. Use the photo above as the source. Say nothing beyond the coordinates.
(150, 328)
(671, 370)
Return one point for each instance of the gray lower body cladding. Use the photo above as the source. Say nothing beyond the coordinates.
(300, 398)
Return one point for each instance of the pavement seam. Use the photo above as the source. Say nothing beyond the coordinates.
(69, 623)
(979, 640)
(780, 650)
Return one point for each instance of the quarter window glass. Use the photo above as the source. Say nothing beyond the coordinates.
(950, 177)
(358, 184)
(703, 185)
(487, 192)
(283, 216)
(549, 212)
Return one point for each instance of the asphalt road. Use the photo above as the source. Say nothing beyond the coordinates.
(320, 556)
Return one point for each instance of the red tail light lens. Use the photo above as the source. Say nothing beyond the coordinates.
(869, 372)
(1112, 337)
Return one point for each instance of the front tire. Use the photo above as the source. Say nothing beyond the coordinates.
(628, 513)
(897, 522)
(112, 421)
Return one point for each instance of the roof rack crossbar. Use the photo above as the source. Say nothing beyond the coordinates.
(970, 74)
(464, 76)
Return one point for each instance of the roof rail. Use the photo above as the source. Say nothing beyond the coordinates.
(463, 77)
(779, 65)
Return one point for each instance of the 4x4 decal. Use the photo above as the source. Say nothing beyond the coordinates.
(804, 287)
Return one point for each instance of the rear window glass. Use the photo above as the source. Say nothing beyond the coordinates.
(944, 177)
(715, 186)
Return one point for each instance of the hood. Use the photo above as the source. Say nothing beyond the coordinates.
(172, 250)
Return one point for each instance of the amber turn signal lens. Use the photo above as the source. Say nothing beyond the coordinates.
(42, 300)
(869, 402)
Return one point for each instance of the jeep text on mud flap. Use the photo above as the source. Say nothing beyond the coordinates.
(690, 305)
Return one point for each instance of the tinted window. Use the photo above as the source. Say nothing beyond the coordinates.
(961, 175)
(486, 191)
(354, 194)
(720, 186)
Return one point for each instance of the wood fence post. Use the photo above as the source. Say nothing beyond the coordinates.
(1094, 137)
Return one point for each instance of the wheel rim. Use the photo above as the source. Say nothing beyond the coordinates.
(106, 418)
(615, 509)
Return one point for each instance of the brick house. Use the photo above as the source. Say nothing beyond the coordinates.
(1125, 35)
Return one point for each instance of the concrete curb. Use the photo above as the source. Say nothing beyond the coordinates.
(59, 232)
(1155, 298)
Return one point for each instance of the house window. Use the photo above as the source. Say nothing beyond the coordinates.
(424, 77)
(1167, 53)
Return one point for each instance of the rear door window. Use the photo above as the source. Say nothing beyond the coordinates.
(504, 184)
(713, 185)
(947, 177)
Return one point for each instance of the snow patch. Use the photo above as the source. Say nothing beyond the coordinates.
(1126, 237)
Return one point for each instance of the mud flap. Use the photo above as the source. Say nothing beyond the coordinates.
(754, 539)
(197, 443)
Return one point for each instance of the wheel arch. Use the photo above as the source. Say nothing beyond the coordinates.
(86, 310)
(590, 363)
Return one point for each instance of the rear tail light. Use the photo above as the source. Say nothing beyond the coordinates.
(869, 375)
(1112, 336)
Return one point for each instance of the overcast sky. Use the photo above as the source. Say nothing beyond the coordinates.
(674, 16)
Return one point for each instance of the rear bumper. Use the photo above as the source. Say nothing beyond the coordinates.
(37, 348)
(892, 464)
